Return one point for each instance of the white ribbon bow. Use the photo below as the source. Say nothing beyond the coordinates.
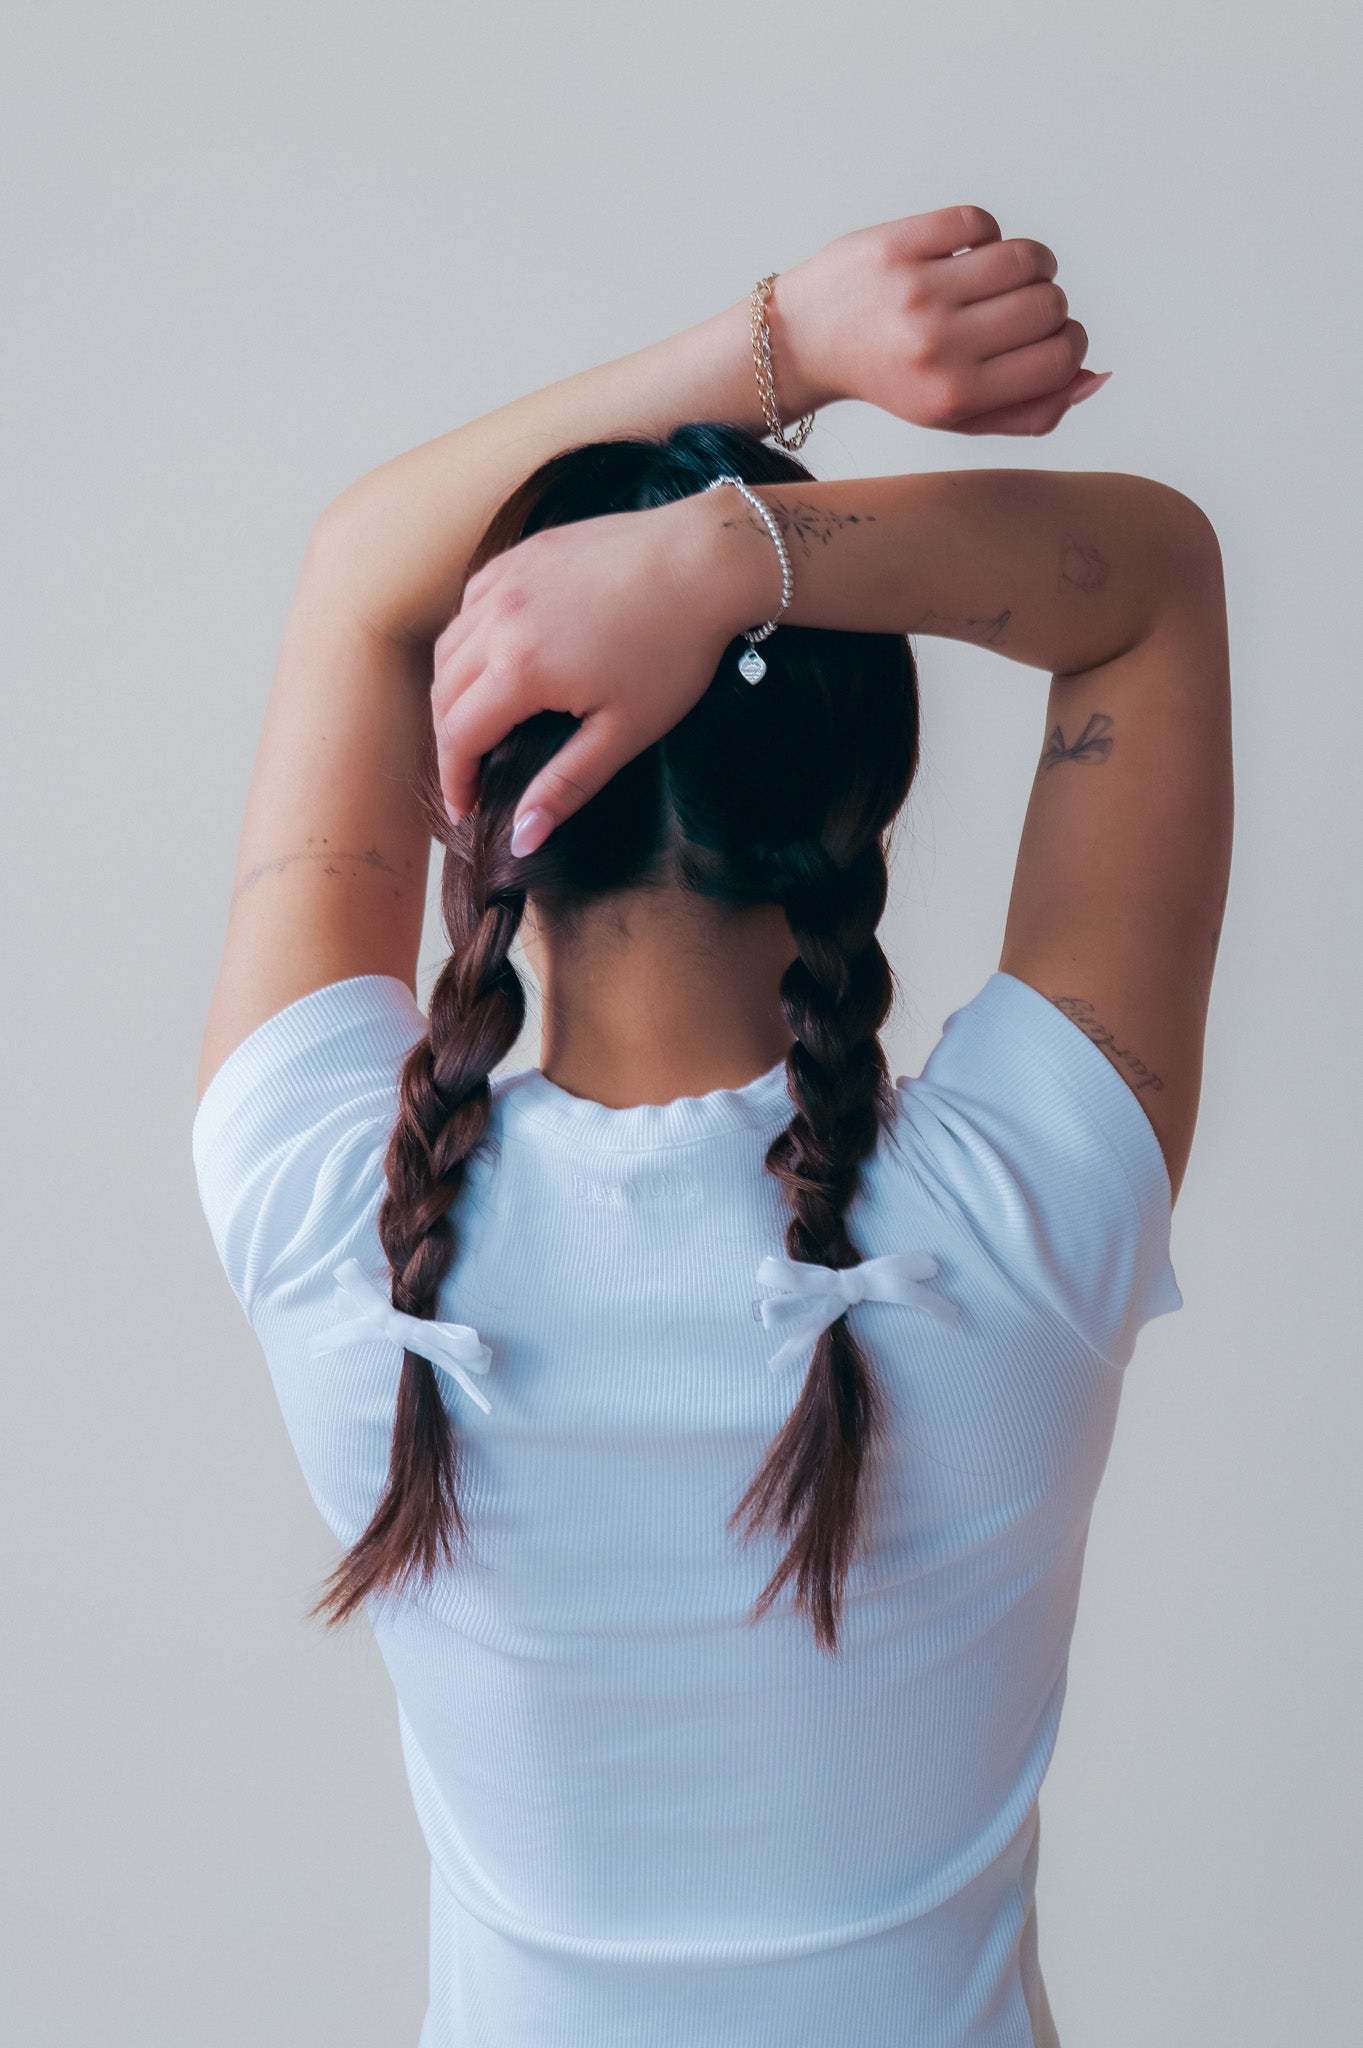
(454, 1346)
(814, 1297)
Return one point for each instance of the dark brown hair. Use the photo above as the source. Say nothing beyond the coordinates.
(782, 794)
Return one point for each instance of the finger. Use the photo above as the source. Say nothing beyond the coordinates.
(584, 764)
(482, 715)
(1041, 370)
(938, 234)
(994, 326)
(458, 663)
(1040, 415)
(1000, 267)
(476, 607)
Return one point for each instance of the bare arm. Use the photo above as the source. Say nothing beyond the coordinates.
(330, 876)
(1056, 570)
(331, 868)
(1111, 582)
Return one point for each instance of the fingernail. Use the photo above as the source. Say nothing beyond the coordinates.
(450, 812)
(530, 832)
(1089, 389)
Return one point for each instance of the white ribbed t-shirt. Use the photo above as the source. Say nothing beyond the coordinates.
(650, 1820)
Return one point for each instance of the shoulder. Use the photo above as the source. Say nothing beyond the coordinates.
(285, 1135)
(1021, 1126)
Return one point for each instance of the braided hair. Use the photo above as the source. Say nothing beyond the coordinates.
(783, 794)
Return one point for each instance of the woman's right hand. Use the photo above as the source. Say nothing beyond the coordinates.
(619, 621)
(974, 343)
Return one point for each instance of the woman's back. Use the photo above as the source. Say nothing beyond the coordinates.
(726, 1692)
(630, 1791)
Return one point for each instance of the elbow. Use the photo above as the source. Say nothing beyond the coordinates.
(1190, 540)
(339, 527)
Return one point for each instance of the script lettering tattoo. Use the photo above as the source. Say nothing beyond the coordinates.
(803, 522)
(1082, 568)
(1092, 747)
(984, 632)
(331, 862)
(1081, 1010)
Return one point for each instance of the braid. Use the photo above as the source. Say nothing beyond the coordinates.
(476, 1013)
(836, 996)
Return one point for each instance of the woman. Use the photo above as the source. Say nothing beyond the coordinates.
(726, 1693)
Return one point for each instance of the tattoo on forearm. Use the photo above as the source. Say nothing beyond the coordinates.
(1092, 747)
(1081, 1010)
(332, 862)
(800, 521)
(985, 632)
(1082, 568)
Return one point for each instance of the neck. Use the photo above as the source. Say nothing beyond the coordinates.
(658, 993)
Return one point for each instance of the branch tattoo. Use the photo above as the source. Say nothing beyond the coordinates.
(800, 521)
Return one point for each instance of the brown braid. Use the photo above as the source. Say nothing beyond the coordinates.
(836, 997)
(476, 1013)
(780, 795)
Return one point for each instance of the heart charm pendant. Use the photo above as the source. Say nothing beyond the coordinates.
(751, 666)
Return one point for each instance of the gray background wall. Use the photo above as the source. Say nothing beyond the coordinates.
(251, 252)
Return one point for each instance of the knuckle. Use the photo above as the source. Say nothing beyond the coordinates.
(948, 396)
(508, 665)
(1057, 306)
(1059, 358)
(977, 224)
(564, 788)
(883, 252)
(927, 343)
(917, 300)
(1034, 259)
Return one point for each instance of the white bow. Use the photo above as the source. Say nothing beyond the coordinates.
(454, 1346)
(815, 1296)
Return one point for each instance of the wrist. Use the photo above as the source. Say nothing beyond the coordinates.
(725, 562)
(802, 362)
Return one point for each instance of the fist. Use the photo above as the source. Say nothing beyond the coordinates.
(938, 320)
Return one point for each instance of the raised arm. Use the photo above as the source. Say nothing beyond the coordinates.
(333, 856)
(1113, 583)
(331, 869)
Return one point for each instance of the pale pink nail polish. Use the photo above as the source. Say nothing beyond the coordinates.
(530, 832)
(1089, 389)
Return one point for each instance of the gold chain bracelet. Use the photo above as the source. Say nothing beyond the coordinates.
(766, 386)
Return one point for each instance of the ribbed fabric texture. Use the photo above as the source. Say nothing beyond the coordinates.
(648, 1819)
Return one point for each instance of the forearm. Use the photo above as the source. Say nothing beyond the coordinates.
(404, 533)
(1060, 571)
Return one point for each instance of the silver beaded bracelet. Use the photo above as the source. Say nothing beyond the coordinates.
(751, 665)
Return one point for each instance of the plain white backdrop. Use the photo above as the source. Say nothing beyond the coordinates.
(248, 254)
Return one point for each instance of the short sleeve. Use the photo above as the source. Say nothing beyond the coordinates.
(288, 1147)
(1051, 1160)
